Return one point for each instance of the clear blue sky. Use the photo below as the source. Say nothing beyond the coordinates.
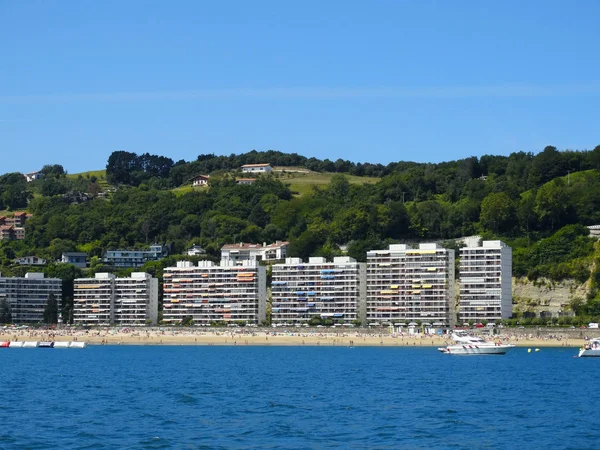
(374, 81)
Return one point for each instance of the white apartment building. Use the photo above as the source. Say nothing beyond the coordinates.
(485, 281)
(408, 284)
(237, 253)
(136, 299)
(106, 300)
(27, 297)
(93, 300)
(210, 293)
(330, 290)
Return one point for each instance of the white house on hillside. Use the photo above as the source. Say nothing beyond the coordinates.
(196, 250)
(243, 251)
(257, 168)
(200, 180)
(31, 176)
(30, 261)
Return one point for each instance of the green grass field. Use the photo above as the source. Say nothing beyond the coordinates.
(178, 191)
(302, 183)
(99, 174)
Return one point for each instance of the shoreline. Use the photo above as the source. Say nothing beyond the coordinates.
(266, 338)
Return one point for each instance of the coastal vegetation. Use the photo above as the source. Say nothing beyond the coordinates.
(539, 204)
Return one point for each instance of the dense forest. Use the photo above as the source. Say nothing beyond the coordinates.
(539, 204)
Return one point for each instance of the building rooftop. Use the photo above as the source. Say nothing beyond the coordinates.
(246, 246)
(256, 165)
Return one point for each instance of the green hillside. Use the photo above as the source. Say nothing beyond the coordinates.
(300, 183)
(538, 204)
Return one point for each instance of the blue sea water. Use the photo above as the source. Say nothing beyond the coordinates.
(296, 397)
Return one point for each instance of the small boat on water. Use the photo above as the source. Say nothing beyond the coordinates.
(590, 349)
(466, 344)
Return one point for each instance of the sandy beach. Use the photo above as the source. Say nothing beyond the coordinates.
(179, 336)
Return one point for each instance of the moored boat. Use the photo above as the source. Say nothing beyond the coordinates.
(466, 344)
(16, 344)
(590, 349)
(30, 344)
(4, 344)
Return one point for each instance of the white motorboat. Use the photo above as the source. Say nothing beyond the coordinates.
(466, 344)
(590, 349)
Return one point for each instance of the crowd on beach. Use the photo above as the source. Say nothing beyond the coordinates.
(263, 336)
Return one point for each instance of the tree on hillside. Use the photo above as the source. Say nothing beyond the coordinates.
(119, 167)
(551, 203)
(67, 273)
(497, 212)
(428, 218)
(52, 186)
(51, 310)
(14, 193)
(53, 171)
(5, 312)
(548, 165)
(594, 158)
(305, 245)
(338, 187)
(526, 212)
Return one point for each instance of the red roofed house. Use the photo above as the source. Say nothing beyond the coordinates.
(7, 232)
(18, 219)
(13, 227)
(200, 180)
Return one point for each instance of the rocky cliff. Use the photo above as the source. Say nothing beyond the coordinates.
(546, 296)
